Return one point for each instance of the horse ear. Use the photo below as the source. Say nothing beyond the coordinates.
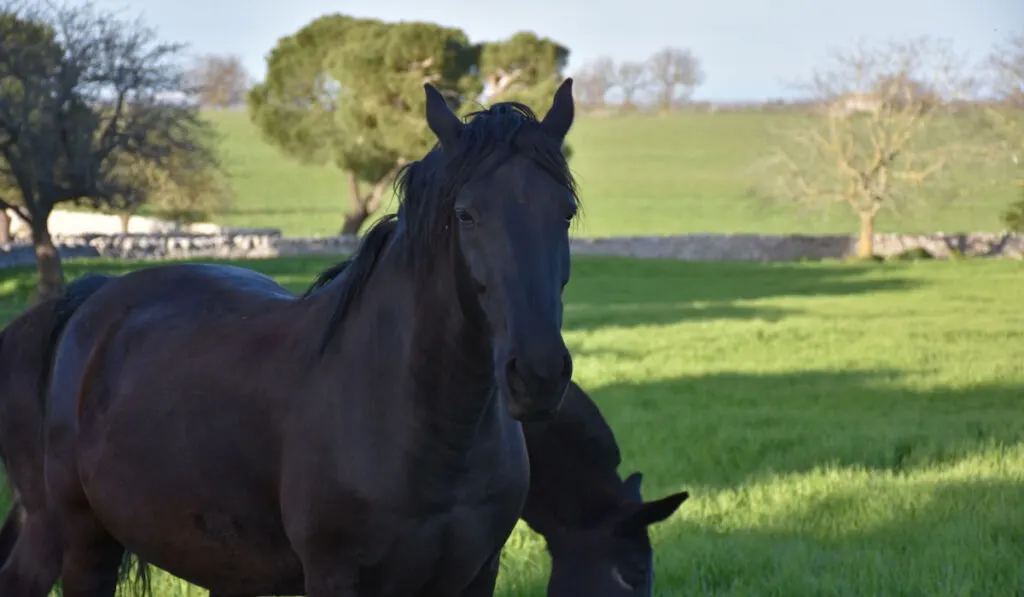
(648, 513)
(631, 487)
(440, 118)
(559, 118)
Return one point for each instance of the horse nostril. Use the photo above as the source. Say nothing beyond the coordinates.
(515, 381)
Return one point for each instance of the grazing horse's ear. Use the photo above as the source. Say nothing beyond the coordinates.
(558, 120)
(648, 513)
(631, 487)
(440, 118)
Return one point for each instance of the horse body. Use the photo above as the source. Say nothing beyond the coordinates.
(361, 440)
(263, 453)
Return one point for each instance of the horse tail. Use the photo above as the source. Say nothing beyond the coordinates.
(11, 530)
(27, 349)
(12, 523)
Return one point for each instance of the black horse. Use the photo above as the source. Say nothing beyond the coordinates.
(594, 523)
(193, 423)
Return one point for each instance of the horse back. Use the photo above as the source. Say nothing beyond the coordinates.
(149, 327)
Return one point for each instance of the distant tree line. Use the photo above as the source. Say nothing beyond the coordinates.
(666, 80)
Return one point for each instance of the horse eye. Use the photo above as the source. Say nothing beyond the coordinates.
(463, 216)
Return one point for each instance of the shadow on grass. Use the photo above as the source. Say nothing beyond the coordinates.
(634, 292)
(604, 291)
(718, 431)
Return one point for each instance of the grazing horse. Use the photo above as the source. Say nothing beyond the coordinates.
(360, 441)
(594, 523)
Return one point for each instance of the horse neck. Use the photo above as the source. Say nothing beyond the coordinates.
(450, 360)
(441, 354)
(566, 485)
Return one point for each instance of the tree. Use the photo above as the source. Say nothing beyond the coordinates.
(674, 73)
(10, 196)
(80, 89)
(524, 68)
(1006, 66)
(1013, 217)
(884, 133)
(219, 81)
(380, 73)
(593, 82)
(183, 189)
(630, 78)
(349, 92)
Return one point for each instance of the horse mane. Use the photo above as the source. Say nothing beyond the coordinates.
(360, 266)
(426, 191)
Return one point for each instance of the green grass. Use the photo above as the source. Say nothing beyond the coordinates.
(844, 429)
(684, 173)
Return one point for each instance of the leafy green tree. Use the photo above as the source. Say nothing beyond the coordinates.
(183, 189)
(349, 92)
(381, 72)
(79, 90)
(524, 68)
(296, 109)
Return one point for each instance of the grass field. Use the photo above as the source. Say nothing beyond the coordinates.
(843, 429)
(676, 174)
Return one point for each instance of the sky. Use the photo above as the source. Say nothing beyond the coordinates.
(750, 49)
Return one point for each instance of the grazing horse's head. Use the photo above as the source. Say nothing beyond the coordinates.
(503, 203)
(612, 558)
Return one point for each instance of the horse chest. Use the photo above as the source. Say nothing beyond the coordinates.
(441, 551)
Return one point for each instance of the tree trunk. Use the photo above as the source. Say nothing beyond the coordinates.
(48, 266)
(866, 240)
(5, 227)
(126, 219)
(354, 221)
(358, 211)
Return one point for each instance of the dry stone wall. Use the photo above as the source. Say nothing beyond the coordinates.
(255, 244)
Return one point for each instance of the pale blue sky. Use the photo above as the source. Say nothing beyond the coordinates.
(749, 48)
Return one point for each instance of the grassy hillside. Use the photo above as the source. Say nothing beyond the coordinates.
(639, 175)
(843, 429)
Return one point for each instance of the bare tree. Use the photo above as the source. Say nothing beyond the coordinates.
(630, 78)
(883, 134)
(219, 81)
(1007, 65)
(594, 81)
(674, 73)
(80, 90)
